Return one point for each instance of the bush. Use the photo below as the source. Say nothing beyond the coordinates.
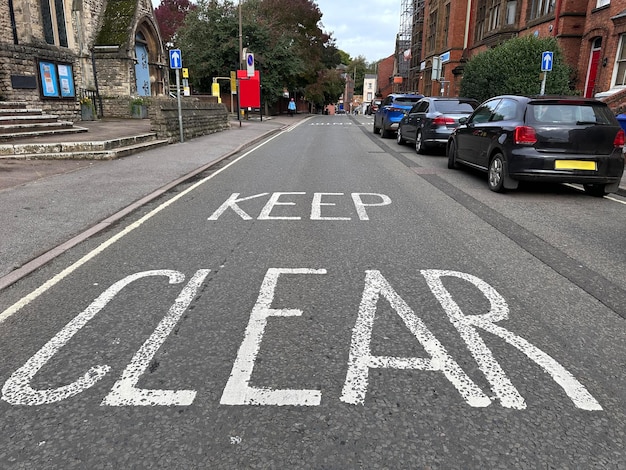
(514, 68)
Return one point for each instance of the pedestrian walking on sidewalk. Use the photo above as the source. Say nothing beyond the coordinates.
(291, 107)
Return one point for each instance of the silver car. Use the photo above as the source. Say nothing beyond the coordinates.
(431, 120)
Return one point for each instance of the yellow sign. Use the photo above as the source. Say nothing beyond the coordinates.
(185, 73)
(233, 82)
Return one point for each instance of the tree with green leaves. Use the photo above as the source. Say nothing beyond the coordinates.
(289, 47)
(514, 68)
(327, 88)
(357, 68)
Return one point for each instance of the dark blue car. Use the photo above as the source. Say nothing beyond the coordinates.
(391, 111)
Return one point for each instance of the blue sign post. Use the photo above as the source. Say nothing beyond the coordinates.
(176, 63)
(547, 59)
(176, 59)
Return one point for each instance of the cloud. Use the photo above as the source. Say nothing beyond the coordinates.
(367, 30)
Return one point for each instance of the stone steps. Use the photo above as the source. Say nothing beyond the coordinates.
(104, 150)
(18, 121)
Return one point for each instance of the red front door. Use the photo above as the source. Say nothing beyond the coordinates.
(594, 60)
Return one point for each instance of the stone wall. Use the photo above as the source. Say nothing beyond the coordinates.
(18, 62)
(199, 117)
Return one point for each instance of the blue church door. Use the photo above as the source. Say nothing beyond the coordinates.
(142, 70)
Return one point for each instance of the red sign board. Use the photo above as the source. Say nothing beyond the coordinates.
(249, 89)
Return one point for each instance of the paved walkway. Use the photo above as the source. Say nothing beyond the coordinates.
(46, 203)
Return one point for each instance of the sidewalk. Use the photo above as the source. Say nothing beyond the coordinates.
(76, 199)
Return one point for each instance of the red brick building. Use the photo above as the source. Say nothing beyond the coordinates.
(385, 74)
(591, 33)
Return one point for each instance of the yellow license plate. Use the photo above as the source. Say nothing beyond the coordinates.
(575, 165)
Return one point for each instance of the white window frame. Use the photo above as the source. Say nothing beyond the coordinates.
(620, 49)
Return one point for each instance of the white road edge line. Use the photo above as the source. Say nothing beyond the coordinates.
(606, 197)
(13, 309)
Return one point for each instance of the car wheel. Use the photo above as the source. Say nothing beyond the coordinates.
(419, 143)
(597, 190)
(496, 173)
(452, 163)
(399, 137)
(384, 132)
(376, 129)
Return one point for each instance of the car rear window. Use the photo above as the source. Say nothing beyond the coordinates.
(453, 106)
(570, 114)
(406, 100)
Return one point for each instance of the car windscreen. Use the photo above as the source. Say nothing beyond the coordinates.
(454, 106)
(569, 114)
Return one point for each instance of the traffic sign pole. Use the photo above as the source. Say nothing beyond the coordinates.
(176, 63)
(180, 110)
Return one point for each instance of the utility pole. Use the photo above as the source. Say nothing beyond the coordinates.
(240, 39)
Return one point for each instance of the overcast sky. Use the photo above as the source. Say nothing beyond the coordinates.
(363, 27)
(360, 27)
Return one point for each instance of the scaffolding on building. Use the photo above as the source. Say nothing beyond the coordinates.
(403, 47)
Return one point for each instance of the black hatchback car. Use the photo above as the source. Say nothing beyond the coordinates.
(552, 139)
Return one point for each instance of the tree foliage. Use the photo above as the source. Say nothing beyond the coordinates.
(357, 68)
(327, 88)
(514, 68)
(290, 48)
(170, 16)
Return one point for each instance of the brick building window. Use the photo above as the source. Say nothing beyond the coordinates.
(53, 17)
(480, 20)
(539, 8)
(493, 15)
(620, 76)
(432, 31)
(511, 11)
(601, 3)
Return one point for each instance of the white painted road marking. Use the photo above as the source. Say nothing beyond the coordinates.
(238, 390)
(500, 311)
(358, 199)
(125, 391)
(17, 389)
(361, 358)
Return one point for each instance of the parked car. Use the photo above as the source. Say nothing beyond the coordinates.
(391, 111)
(432, 119)
(373, 106)
(552, 139)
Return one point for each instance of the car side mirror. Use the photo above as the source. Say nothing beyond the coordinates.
(462, 120)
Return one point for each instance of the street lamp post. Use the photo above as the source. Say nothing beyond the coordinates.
(240, 38)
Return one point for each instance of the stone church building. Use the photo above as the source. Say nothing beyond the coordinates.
(53, 53)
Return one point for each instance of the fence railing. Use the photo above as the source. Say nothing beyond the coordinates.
(95, 99)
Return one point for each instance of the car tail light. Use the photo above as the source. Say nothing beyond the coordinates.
(619, 139)
(392, 109)
(443, 121)
(525, 135)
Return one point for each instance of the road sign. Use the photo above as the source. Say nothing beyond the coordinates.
(176, 59)
(546, 61)
(250, 63)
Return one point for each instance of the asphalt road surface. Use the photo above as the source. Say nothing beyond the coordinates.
(328, 300)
